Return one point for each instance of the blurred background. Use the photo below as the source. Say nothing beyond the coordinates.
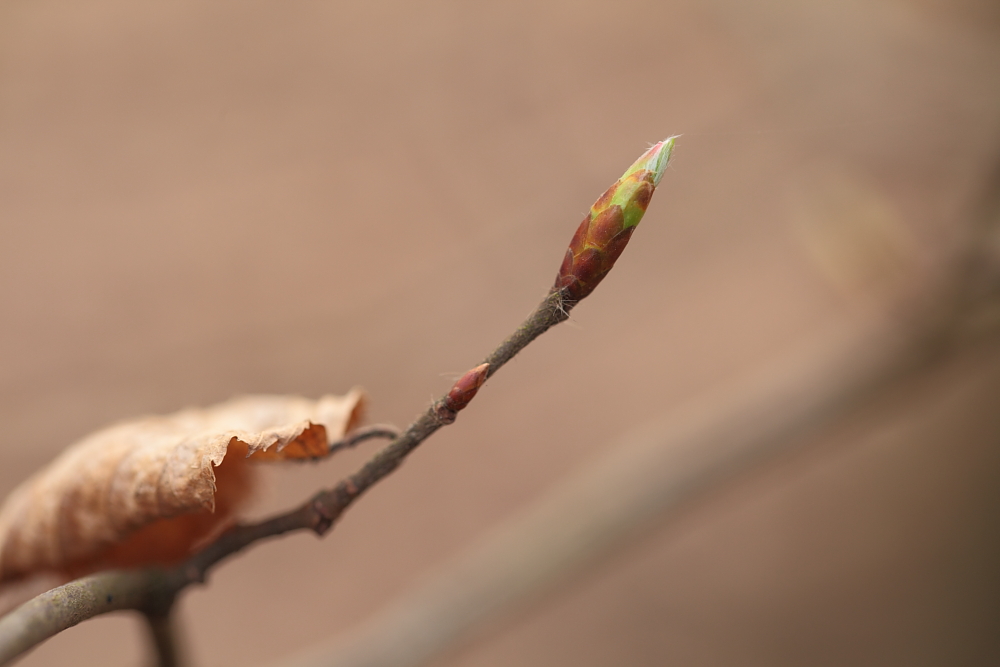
(199, 200)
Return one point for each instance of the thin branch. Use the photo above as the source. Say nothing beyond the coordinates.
(596, 245)
(693, 450)
(163, 636)
(322, 510)
(153, 590)
(588, 516)
(650, 474)
(357, 436)
(550, 312)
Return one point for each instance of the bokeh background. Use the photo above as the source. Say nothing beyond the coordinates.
(203, 199)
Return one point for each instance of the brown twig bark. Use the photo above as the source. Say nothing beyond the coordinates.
(65, 606)
(595, 247)
(163, 636)
(550, 312)
(357, 436)
(152, 591)
(696, 448)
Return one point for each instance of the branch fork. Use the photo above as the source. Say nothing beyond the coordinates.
(595, 247)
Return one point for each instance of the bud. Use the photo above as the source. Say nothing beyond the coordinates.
(603, 234)
(465, 388)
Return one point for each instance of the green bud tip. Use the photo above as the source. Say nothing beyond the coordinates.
(603, 234)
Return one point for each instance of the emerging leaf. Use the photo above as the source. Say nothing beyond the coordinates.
(147, 491)
(607, 228)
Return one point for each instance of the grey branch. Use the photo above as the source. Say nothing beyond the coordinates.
(153, 591)
(163, 637)
(653, 471)
(697, 447)
(357, 436)
(65, 606)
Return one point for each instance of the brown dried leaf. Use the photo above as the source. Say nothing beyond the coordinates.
(147, 491)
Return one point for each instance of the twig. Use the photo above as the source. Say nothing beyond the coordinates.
(592, 513)
(666, 464)
(323, 509)
(550, 312)
(142, 590)
(357, 436)
(595, 247)
(163, 636)
(65, 606)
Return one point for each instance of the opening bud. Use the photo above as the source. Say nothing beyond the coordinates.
(603, 234)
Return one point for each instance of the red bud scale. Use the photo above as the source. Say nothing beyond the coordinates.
(604, 233)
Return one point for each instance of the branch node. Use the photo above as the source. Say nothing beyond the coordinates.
(444, 414)
(592, 252)
(194, 574)
(322, 517)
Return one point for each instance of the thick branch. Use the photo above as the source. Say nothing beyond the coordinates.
(691, 451)
(65, 606)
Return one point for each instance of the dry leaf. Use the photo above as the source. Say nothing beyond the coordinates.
(147, 491)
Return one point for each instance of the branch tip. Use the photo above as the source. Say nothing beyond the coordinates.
(595, 247)
(607, 228)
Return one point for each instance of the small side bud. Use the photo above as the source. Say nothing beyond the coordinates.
(465, 389)
(602, 235)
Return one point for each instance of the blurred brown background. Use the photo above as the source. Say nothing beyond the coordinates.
(206, 199)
